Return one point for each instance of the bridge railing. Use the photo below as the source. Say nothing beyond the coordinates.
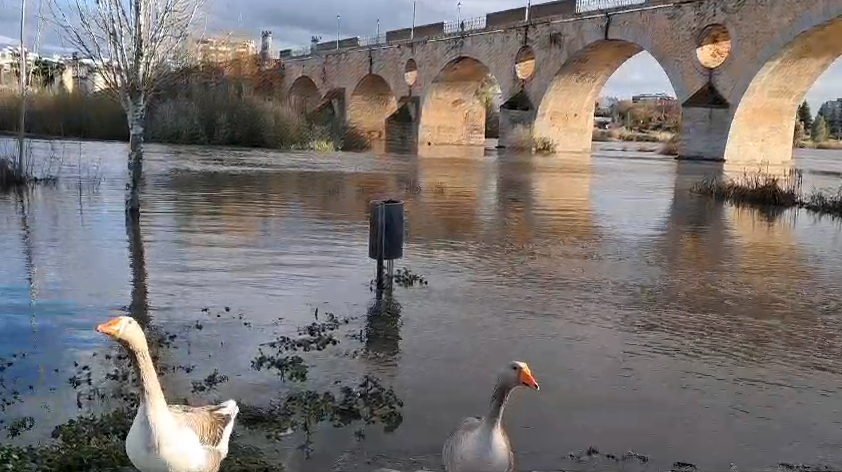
(464, 26)
(584, 6)
(301, 51)
(373, 40)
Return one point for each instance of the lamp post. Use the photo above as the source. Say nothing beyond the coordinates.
(378, 32)
(338, 24)
(528, 8)
(459, 14)
(414, 9)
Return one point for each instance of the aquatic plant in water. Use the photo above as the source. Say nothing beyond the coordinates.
(95, 442)
(765, 189)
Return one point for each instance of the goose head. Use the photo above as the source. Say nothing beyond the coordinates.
(124, 330)
(517, 374)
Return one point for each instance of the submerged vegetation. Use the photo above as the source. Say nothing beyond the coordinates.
(43, 169)
(766, 189)
(94, 441)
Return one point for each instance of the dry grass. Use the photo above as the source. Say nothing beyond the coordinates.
(36, 170)
(758, 188)
(623, 134)
(824, 202)
(206, 116)
(8, 177)
(763, 189)
(543, 146)
(829, 145)
(669, 148)
(523, 140)
(66, 115)
(833, 145)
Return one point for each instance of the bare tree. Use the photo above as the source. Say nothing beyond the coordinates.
(23, 89)
(133, 43)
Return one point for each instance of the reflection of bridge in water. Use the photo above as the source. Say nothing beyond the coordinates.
(738, 97)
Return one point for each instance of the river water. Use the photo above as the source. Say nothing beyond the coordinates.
(654, 320)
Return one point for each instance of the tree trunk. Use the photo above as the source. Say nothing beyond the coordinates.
(135, 165)
(23, 84)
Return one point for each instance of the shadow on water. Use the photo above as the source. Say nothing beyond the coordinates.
(23, 195)
(139, 306)
(383, 327)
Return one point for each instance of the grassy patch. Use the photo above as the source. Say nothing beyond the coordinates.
(626, 135)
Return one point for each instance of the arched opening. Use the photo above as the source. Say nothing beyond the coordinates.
(714, 46)
(372, 102)
(566, 115)
(525, 63)
(304, 96)
(764, 124)
(455, 108)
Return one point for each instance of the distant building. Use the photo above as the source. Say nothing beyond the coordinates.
(8, 76)
(832, 113)
(659, 98)
(45, 73)
(266, 55)
(83, 76)
(226, 49)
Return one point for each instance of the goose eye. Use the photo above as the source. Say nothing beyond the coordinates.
(514, 367)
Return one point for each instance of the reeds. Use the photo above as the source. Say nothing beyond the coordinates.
(764, 189)
(521, 139)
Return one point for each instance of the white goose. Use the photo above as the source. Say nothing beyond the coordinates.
(170, 438)
(481, 444)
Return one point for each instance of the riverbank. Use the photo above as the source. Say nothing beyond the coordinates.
(626, 135)
(203, 117)
(824, 145)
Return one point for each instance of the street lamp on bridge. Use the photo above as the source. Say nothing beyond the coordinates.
(338, 24)
(414, 9)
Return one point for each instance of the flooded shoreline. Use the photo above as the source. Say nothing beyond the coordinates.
(657, 322)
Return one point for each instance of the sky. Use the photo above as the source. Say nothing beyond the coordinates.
(293, 22)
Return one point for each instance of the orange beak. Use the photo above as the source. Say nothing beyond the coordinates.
(527, 380)
(109, 328)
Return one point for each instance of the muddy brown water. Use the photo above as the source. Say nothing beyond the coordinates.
(655, 321)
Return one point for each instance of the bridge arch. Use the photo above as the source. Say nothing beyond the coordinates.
(453, 111)
(566, 112)
(763, 124)
(371, 103)
(304, 95)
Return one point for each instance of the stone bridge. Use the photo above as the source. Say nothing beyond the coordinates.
(739, 68)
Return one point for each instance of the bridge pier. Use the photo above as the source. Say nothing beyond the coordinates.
(515, 113)
(705, 125)
(403, 125)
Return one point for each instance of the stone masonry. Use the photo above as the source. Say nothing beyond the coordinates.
(739, 85)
